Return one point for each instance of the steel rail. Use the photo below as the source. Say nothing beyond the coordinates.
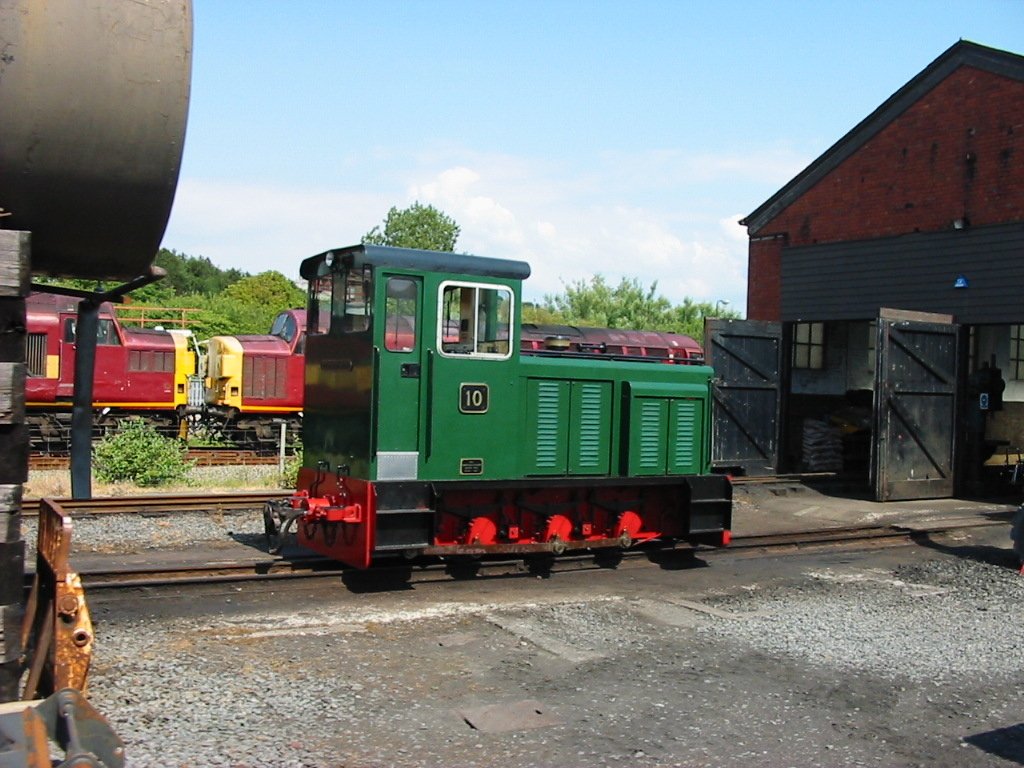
(203, 457)
(159, 503)
(307, 566)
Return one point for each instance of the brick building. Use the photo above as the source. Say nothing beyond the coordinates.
(891, 273)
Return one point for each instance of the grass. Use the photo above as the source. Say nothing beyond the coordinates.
(56, 483)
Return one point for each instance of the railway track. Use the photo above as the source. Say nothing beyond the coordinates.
(219, 502)
(163, 504)
(264, 567)
(203, 457)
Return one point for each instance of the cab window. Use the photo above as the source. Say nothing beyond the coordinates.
(352, 300)
(475, 320)
(401, 311)
(106, 332)
(318, 305)
(284, 327)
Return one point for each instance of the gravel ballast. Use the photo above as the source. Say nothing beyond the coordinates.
(857, 663)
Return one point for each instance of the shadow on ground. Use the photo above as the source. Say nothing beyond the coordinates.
(1007, 743)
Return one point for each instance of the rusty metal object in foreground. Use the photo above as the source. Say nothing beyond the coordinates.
(95, 98)
(65, 718)
(57, 632)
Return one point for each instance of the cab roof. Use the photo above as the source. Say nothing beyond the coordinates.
(423, 261)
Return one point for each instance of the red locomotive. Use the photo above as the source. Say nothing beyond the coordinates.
(253, 383)
(139, 371)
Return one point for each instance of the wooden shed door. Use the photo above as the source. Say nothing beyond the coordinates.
(746, 356)
(915, 404)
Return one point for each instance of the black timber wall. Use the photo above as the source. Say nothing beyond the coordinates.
(14, 286)
(852, 280)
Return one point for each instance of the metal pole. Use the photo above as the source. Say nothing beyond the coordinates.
(85, 365)
(81, 413)
(280, 455)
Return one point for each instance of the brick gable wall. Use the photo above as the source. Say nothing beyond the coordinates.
(958, 152)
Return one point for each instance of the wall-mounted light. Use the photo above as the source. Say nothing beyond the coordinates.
(961, 223)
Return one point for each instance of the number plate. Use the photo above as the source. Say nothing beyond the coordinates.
(473, 398)
(471, 467)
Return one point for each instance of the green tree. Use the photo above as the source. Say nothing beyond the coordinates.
(597, 303)
(689, 317)
(194, 274)
(253, 302)
(418, 226)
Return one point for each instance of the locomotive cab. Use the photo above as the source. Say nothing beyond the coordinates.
(406, 341)
(429, 431)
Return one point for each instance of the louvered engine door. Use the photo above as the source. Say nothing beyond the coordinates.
(559, 410)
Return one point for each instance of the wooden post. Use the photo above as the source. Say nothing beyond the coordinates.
(15, 266)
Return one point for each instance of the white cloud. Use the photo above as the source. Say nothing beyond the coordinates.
(655, 216)
(256, 227)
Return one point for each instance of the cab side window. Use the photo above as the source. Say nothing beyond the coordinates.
(475, 320)
(106, 332)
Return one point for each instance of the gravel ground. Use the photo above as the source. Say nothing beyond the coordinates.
(136, 533)
(933, 621)
(125, 533)
(894, 658)
(905, 657)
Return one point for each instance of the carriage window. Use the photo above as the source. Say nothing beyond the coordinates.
(318, 305)
(475, 320)
(351, 306)
(401, 313)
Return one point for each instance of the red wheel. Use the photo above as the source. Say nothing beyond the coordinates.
(628, 526)
(558, 526)
(482, 530)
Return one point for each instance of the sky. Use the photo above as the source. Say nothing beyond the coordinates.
(625, 138)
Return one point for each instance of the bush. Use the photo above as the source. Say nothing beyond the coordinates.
(139, 454)
(292, 465)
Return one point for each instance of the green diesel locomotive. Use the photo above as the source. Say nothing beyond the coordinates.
(429, 432)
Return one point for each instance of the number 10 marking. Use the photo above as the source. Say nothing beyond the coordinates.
(473, 398)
